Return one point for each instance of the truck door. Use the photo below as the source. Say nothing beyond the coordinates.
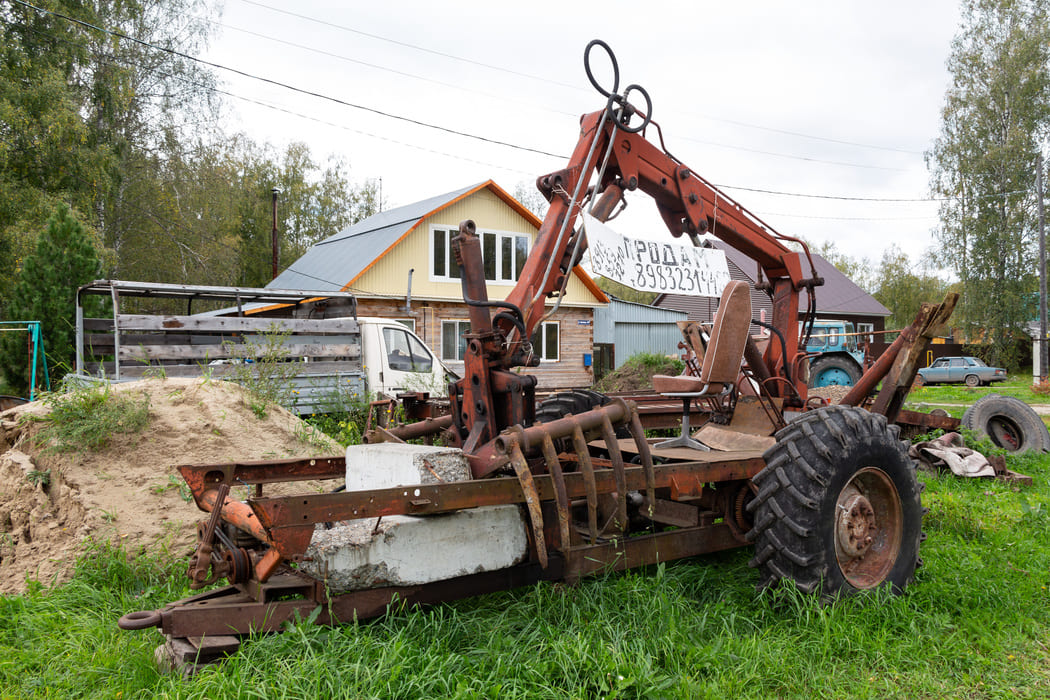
(408, 365)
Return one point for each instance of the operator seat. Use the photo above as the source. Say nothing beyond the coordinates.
(722, 360)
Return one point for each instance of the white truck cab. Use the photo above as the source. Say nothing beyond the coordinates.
(395, 360)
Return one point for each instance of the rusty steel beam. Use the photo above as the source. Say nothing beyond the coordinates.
(925, 422)
(201, 477)
(895, 387)
(238, 610)
(310, 508)
(631, 552)
(265, 607)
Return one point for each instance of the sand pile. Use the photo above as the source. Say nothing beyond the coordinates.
(129, 491)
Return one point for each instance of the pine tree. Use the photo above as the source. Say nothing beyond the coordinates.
(64, 259)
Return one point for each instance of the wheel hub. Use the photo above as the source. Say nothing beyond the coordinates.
(856, 523)
(869, 528)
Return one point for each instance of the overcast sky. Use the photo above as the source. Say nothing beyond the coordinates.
(833, 99)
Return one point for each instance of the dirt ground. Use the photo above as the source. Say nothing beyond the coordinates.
(129, 492)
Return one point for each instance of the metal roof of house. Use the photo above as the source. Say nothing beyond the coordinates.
(336, 262)
(839, 295)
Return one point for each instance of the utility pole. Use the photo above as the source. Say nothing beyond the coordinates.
(273, 234)
(1042, 268)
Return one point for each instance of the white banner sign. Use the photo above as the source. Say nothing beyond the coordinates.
(653, 266)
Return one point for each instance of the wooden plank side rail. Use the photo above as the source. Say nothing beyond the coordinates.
(307, 371)
(145, 353)
(232, 324)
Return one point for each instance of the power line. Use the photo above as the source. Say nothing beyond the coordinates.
(793, 157)
(542, 79)
(530, 104)
(408, 45)
(864, 199)
(386, 69)
(437, 127)
(287, 86)
(851, 218)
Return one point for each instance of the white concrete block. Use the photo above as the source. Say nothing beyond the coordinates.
(407, 550)
(388, 464)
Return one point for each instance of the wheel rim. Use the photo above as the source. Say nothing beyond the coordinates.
(972, 381)
(869, 526)
(1005, 433)
(833, 376)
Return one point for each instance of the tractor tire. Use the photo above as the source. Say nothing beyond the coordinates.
(831, 370)
(1009, 423)
(837, 509)
(570, 403)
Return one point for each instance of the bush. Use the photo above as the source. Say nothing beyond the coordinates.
(87, 418)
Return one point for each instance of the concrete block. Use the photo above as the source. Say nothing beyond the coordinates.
(389, 464)
(405, 550)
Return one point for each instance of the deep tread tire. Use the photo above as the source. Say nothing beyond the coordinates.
(569, 403)
(823, 456)
(1009, 423)
(967, 416)
(840, 366)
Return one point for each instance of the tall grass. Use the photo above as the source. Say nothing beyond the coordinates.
(974, 624)
(87, 417)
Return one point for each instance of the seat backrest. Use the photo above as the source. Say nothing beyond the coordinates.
(725, 350)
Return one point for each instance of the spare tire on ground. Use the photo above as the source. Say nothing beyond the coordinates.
(1009, 423)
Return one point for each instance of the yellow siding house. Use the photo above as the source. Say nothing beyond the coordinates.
(399, 264)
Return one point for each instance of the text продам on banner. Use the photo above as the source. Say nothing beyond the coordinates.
(653, 266)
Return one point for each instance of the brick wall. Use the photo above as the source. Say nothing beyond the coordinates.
(575, 339)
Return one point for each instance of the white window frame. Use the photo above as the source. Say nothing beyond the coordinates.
(539, 347)
(868, 328)
(461, 323)
(500, 236)
(409, 323)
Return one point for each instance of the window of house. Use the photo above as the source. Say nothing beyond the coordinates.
(409, 323)
(405, 353)
(503, 254)
(545, 342)
(453, 344)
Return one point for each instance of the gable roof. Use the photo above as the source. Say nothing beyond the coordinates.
(338, 261)
(839, 295)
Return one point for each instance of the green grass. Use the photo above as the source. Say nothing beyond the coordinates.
(1018, 386)
(88, 417)
(974, 624)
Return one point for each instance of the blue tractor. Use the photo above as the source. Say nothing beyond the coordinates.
(838, 361)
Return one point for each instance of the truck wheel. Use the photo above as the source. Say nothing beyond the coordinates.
(569, 403)
(967, 416)
(837, 509)
(831, 370)
(972, 380)
(1009, 423)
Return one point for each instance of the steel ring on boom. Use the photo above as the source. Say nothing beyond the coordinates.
(590, 75)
